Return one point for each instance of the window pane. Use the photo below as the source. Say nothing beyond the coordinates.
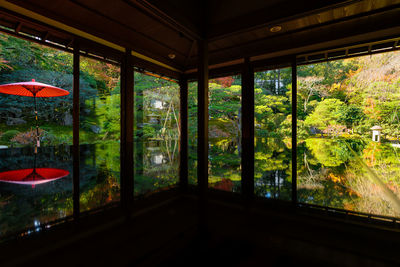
(35, 183)
(99, 133)
(348, 146)
(224, 133)
(192, 132)
(273, 133)
(156, 133)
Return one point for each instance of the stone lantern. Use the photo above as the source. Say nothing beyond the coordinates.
(376, 133)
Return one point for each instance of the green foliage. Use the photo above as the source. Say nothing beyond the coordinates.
(350, 115)
(272, 103)
(327, 112)
(333, 152)
(192, 106)
(273, 82)
(354, 94)
(331, 72)
(156, 108)
(8, 135)
(148, 131)
(99, 83)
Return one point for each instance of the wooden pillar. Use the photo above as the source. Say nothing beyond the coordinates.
(294, 132)
(247, 130)
(183, 146)
(126, 142)
(202, 118)
(75, 130)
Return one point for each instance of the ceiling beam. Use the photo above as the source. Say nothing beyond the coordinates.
(168, 16)
(36, 14)
(285, 11)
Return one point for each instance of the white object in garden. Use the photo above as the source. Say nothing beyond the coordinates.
(376, 133)
(158, 159)
(157, 104)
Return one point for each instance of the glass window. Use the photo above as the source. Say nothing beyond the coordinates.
(156, 129)
(273, 133)
(348, 135)
(192, 132)
(99, 133)
(224, 133)
(35, 158)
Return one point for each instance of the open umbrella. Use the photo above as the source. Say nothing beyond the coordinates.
(33, 89)
(32, 176)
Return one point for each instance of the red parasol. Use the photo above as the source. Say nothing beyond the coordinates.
(33, 89)
(32, 176)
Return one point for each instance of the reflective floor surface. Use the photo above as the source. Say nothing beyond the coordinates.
(37, 188)
(355, 175)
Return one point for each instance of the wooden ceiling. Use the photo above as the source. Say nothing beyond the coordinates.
(234, 28)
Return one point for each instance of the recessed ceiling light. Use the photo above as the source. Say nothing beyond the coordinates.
(275, 28)
(171, 56)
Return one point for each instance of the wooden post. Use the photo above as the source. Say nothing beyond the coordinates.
(183, 146)
(126, 142)
(202, 136)
(247, 130)
(75, 131)
(202, 118)
(294, 132)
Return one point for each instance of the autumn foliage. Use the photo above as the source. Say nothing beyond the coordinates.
(224, 81)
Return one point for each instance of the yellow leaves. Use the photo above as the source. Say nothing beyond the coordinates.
(336, 87)
(354, 72)
(335, 179)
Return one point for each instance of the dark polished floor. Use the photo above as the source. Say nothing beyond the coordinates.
(172, 229)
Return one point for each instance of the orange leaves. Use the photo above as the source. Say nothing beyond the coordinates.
(335, 179)
(370, 110)
(351, 192)
(27, 137)
(224, 81)
(369, 154)
(348, 206)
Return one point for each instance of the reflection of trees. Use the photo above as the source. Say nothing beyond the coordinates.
(322, 164)
(224, 162)
(159, 167)
(99, 175)
(272, 171)
(328, 152)
(330, 174)
(156, 131)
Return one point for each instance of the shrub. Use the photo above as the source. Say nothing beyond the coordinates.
(52, 139)
(148, 131)
(26, 138)
(8, 135)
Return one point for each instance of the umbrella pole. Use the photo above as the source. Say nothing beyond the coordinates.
(34, 164)
(37, 125)
(34, 170)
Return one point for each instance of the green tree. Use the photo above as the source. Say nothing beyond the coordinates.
(350, 115)
(326, 113)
